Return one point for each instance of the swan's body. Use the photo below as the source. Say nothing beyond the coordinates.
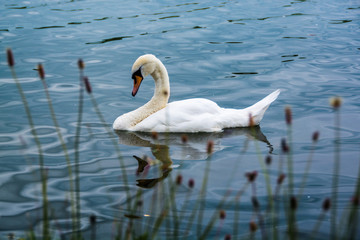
(191, 115)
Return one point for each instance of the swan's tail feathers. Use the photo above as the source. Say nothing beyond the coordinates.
(257, 110)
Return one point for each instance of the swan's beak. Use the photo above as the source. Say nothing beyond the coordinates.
(137, 81)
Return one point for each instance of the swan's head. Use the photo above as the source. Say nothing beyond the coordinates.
(142, 67)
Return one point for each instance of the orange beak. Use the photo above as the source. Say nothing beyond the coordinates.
(137, 82)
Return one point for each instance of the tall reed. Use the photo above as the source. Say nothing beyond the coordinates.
(45, 220)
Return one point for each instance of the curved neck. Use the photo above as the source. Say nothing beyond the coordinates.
(162, 85)
(160, 98)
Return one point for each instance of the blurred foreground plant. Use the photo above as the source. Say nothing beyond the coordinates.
(282, 201)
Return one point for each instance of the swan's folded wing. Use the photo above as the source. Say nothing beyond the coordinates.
(191, 115)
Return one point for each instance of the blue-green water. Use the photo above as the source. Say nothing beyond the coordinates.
(232, 52)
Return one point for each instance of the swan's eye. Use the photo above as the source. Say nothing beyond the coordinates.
(136, 75)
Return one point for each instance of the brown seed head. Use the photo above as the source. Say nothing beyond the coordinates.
(81, 64)
(92, 219)
(227, 237)
(210, 147)
(284, 146)
(154, 135)
(288, 115)
(326, 204)
(251, 176)
(268, 159)
(253, 226)
(281, 178)
(179, 179)
(315, 136)
(191, 183)
(355, 201)
(336, 102)
(10, 57)
(41, 71)
(293, 203)
(184, 138)
(222, 214)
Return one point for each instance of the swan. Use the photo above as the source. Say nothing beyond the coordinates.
(190, 115)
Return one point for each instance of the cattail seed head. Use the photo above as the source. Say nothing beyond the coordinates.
(315, 136)
(179, 179)
(41, 71)
(284, 146)
(154, 135)
(288, 115)
(92, 219)
(326, 204)
(268, 159)
(293, 203)
(281, 178)
(251, 176)
(222, 214)
(184, 138)
(253, 226)
(336, 102)
(355, 201)
(81, 64)
(210, 147)
(10, 57)
(191, 183)
(87, 84)
(227, 237)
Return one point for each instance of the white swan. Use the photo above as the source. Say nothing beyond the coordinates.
(191, 115)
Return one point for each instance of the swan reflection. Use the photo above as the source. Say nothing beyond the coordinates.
(184, 146)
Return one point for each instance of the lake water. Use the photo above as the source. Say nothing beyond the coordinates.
(232, 52)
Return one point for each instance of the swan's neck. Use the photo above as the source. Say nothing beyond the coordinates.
(160, 98)
(162, 85)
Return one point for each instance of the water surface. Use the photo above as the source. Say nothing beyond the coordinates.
(232, 52)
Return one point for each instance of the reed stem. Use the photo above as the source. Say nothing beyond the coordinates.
(46, 233)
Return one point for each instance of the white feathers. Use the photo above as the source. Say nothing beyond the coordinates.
(191, 115)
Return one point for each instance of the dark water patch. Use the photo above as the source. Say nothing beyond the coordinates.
(110, 40)
(24, 7)
(353, 8)
(174, 16)
(295, 37)
(77, 23)
(185, 4)
(46, 27)
(340, 21)
(292, 55)
(199, 9)
(245, 73)
(101, 19)
(134, 16)
(232, 42)
(262, 19)
(63, 10)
